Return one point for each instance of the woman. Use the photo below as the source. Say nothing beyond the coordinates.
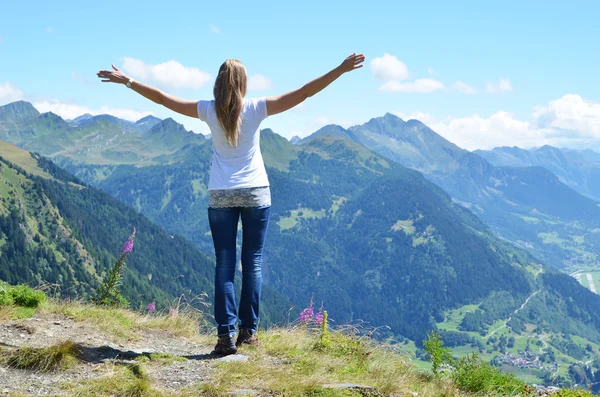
(238, 185)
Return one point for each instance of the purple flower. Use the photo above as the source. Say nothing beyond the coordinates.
(128, 247)
(307, 314)
(319, 317)
(151, 307)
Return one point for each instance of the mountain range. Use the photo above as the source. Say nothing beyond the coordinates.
(368, 237)
(579, 169)
(528, 205)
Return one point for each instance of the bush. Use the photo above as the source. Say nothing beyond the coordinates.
(20, 295)
(26, 296)
(6, 298)
(474, 375)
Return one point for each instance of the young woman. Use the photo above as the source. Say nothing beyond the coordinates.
(238, 185)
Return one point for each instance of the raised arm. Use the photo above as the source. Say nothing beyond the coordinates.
(281, 103)
(182, 106)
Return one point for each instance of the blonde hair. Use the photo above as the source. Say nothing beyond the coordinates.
(229, 91)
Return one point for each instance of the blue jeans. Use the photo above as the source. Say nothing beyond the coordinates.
(223, 227)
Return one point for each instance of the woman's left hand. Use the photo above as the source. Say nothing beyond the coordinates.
(113, 76)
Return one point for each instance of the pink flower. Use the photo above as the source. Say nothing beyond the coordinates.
(307, 314)
(128, 247)
(151, 307)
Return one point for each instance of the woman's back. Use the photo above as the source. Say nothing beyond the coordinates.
(238, 166)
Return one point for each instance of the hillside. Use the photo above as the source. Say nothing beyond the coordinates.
(379, 244)
(404, 259)
(579, 170)
(101, 139)
(72, 349)
(529, 206)
(54, 230)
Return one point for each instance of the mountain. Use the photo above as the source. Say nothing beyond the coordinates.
(580, 170)
(101, 139)
(369, 238)
(295, 139)
(17, 112)
(528, 206)
(147, 122)
(77, 120)
(56, 230)
(379, 243)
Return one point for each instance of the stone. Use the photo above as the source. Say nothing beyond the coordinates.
(234, 358)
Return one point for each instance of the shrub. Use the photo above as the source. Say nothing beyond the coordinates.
(25, 296)
(5, 296)
(474, 375)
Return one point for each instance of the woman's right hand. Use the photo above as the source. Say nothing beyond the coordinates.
(354, 61)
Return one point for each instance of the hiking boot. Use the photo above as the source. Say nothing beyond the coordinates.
(246, 336)
(225, 346)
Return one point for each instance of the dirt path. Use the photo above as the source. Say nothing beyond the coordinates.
(505, 325)
(194, 362)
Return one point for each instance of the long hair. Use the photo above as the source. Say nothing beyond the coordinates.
(229, 91)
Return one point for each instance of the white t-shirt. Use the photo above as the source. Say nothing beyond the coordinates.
(241, 166)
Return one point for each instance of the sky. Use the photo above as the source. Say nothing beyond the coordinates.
(480, 73)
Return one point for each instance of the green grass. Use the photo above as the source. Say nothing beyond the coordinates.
(551, 238)
(304, 213)
(22, 158)
(46, 359)
(455, 316)
(404, 225)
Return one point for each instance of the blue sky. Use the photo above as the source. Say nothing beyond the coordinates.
(482, 74)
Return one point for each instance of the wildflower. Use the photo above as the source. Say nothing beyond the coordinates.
(307, 314)
(173, 312)
(128, 247)
(108, 293)
(319, 315)
(151, 307)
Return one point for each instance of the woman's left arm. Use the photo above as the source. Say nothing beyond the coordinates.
(182, 106)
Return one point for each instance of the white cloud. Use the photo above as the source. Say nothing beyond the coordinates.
(9, 93)
(388, 67)
(258, 82)
(569, 121)
(432, 71)
(170, 74)
(503, 85)
(419, 85)
(71, 111)
(214, 29)
(570, 114)
(464, 88)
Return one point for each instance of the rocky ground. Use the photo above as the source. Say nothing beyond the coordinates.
(188, 362)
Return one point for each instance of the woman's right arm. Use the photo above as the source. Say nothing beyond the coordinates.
(281, 103)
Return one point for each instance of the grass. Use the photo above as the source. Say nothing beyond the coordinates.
(122, 381)
(45, 359)
(292, 361)
(124, 324)
(304, 366)
(304, 213)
